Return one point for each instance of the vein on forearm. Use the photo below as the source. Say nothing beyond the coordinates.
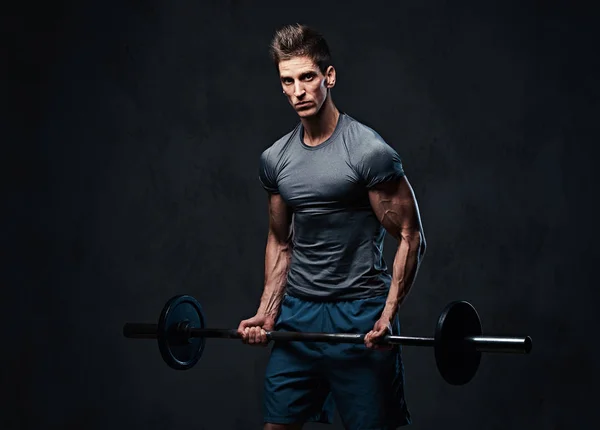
(277, 264)
(403, 226)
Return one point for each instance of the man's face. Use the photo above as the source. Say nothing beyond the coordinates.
(304, 84)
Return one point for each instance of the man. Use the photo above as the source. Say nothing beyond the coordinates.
(335, 187)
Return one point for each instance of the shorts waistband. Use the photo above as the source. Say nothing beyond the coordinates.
(333, 300)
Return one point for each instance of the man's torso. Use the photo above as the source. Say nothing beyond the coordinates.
(337, 251)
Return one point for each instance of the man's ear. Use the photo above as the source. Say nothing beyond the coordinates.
(330, 77)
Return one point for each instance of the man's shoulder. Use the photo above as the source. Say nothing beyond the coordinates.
(360, 135)
(281, 143)
(371, 156)
(274, 151)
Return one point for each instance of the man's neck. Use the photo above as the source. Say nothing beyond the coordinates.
(319, 128)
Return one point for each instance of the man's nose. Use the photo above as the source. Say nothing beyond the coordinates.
(299, 90)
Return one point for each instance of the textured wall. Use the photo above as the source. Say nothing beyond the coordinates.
(133, 131)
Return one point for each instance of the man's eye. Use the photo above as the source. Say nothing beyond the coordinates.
(308, 77)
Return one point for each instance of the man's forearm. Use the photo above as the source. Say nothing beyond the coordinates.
(411, 248)
(277, 263)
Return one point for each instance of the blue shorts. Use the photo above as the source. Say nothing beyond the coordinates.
(306, 381)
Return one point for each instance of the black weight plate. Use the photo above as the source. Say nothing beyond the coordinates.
(457, 360)
(180, 354)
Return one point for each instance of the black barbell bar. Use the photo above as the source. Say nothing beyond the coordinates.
(494, 344)
(458, 340)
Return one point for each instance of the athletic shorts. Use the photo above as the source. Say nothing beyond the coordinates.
(307, 381)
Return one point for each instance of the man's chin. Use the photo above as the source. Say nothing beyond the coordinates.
(306, 113)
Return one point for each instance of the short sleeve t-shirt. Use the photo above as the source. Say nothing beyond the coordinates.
(337, 241)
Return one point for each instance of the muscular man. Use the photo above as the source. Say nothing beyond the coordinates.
(335, 188)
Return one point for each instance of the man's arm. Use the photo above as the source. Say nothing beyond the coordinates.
(277, 256)
(396, 208)
(277, 263)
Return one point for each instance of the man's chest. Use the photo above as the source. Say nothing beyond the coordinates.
(315, 180)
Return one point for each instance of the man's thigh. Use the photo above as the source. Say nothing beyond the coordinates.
(295, 387)
(369, 390)
(367, 385)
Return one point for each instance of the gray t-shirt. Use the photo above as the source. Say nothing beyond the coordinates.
(337, 251)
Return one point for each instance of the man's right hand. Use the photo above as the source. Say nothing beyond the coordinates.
(253, 331)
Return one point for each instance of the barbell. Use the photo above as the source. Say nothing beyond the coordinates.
(458, 341)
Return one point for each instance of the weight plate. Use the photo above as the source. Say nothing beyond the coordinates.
(457, 360)
(180, 353)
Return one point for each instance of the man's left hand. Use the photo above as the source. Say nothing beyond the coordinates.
(381, 328)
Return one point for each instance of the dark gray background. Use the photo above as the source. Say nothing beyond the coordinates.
(132, 131)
